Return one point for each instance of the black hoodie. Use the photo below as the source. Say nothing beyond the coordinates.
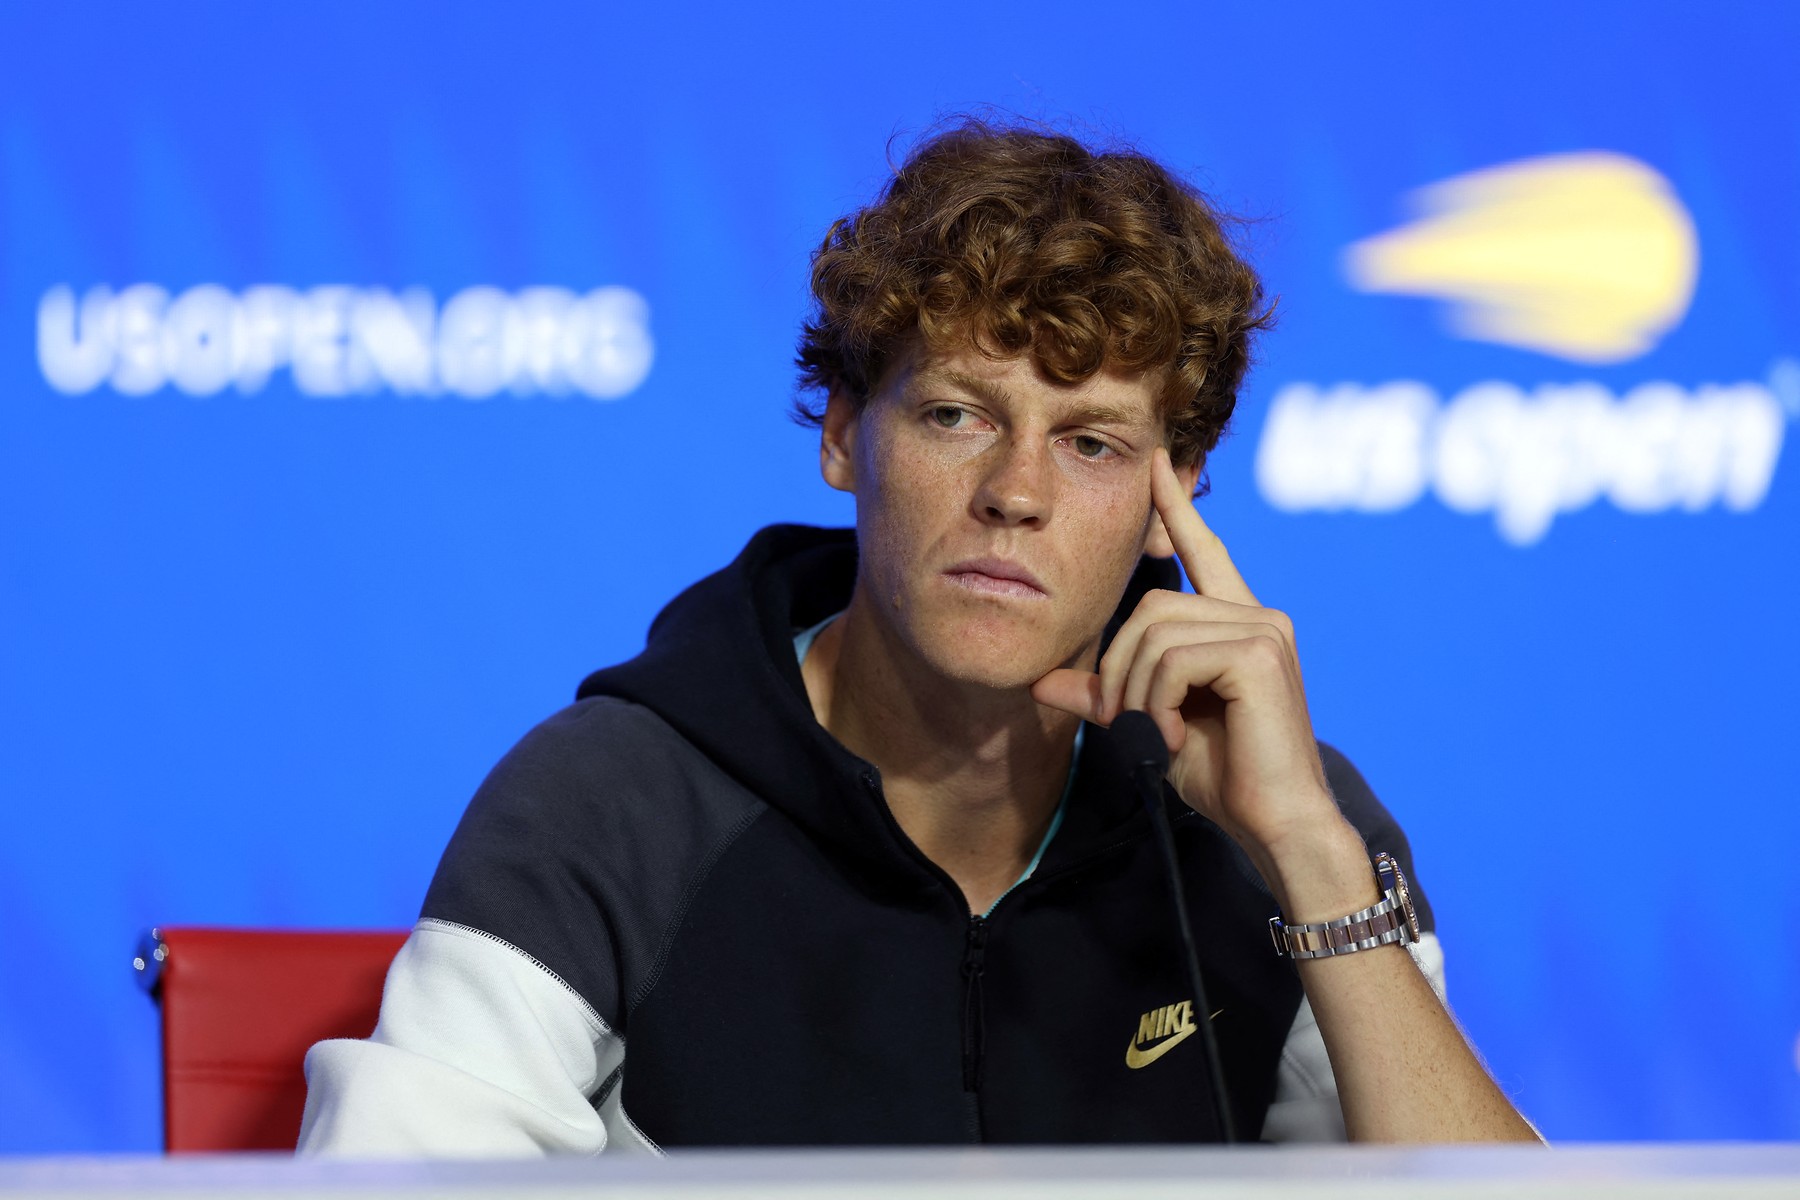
(722, 882)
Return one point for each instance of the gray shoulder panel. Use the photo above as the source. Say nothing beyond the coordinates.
(1372, 819)
(583, 844)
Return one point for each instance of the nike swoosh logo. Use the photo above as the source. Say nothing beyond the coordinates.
(1136, 1057)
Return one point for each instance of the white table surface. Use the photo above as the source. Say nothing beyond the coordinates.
(1715, 1171)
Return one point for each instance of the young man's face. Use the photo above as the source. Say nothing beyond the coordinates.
(998, 514)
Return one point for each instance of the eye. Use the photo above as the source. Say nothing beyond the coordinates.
(947, 416)
(1090, 447)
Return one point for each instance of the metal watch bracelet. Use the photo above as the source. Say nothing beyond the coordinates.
(1390, 919)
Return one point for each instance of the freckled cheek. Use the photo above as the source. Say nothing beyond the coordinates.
(911, 502)
(1109, 541)
(913, 489)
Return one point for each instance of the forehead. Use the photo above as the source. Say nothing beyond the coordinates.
(1018, 381)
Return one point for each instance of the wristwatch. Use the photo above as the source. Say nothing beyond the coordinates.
(1390, 919)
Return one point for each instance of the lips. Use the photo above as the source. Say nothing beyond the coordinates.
(997, 575)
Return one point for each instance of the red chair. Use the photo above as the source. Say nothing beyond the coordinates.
(240, 1007)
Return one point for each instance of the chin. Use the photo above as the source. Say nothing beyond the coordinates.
(996, 654)
(999, 676)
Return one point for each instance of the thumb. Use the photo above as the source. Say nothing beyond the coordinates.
(1072, 691)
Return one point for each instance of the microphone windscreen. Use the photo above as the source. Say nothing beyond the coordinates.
(1140, 741)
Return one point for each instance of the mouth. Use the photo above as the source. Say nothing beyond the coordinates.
(996, 577)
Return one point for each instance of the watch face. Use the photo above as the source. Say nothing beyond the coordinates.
(1385, 864)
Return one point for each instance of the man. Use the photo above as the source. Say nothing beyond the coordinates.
(848, 855)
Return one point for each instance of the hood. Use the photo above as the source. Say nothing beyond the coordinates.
(719, 668)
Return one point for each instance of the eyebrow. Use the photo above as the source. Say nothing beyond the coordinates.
(981, 389)
(1108, 414)
(993, 393)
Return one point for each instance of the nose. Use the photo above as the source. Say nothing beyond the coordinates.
(1016, 485)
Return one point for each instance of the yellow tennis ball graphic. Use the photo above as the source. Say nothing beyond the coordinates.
(1588, 256)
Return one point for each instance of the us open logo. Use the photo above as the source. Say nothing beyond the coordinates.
(1590, 258)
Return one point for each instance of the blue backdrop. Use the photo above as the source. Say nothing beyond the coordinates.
(370, 373)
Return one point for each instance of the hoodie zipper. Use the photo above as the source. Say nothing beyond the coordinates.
(973, 1029)
(974, 951)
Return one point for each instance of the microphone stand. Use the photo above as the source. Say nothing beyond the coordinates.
(1138, 738)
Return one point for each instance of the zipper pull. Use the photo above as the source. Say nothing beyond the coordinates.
(974, 1031)
(976, 953)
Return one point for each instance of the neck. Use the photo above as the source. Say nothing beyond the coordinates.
(972, 774)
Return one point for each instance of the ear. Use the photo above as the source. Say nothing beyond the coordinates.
(837, 442)
(1156, 538)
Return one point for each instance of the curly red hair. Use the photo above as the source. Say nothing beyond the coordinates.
(1011, 239)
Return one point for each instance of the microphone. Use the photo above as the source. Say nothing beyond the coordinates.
(1147, 758)
(1146, 755)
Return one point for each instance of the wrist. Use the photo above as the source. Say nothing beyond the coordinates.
(1319, 872)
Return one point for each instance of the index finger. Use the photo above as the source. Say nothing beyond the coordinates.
(1201, 552)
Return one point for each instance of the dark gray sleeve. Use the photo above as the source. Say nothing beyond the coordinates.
(1376, 824)
(582, 845)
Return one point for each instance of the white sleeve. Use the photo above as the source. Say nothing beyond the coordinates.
(481, 1052)
(1306, 1108)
